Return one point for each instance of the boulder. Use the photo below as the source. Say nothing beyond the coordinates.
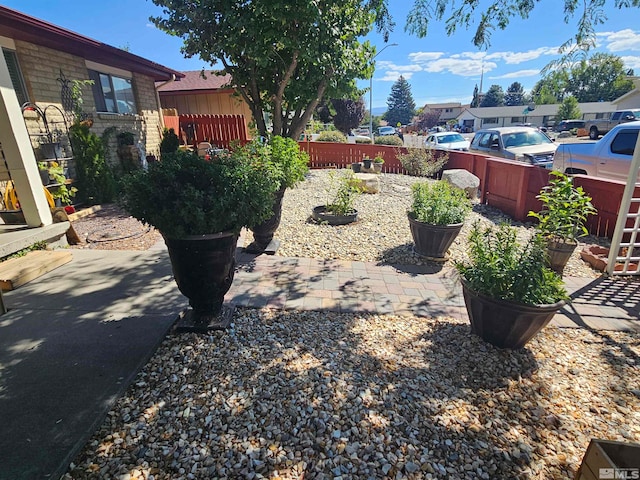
(370, 182)
(464, 180)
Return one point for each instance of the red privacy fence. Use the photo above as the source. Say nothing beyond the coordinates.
(511, 187)
(219, 130)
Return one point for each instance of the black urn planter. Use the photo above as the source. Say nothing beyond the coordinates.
(356, 167)
(503, 323)
(432, 241)
(263, 241)
(321, 215)
(203, 267)
(367, 163)
(559, 254)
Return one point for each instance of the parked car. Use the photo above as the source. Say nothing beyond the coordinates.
(447, 141)
(609, 157)
(387, 130)
(602, 126)
(566, 125)
(523, 144)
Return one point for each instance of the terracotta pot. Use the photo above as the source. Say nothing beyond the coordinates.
(432, 241)
(559, 254)
(506, 324)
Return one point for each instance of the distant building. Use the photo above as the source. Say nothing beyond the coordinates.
(448, 111)
(631, 99)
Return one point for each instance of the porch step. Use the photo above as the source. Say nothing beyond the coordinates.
(18, 271)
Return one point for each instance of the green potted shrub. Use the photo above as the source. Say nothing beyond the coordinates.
(509, 291)
(342, 192)
(200, 207)
(422, 162)
(378, 161)
(291, 165)
(437, 213)
(561, 221)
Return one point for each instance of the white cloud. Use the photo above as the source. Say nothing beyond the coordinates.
(420, 57)
(514, 58)
(631, 62)
(385, 65)
(457, 66)
(150, 25)
(392, 76)
(621, 40)
(517, 74)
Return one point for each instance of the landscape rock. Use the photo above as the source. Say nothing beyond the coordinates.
(463, 180)
(369, 182)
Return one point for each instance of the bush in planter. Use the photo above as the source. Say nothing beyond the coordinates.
(422, 162)
(439, 203)
(561, 221)
(292, 163)
(388, 140)
(509, 291)
(332, 136)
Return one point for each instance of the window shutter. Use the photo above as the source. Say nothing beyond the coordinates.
(16, 77)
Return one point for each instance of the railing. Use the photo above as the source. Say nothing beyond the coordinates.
(512, 187)
(219, 130)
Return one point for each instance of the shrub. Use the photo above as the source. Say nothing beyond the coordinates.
(422, 162)
(501, 268)
(342, 193)
(389, 140)
(170, 141)
(332, 136)
(439, 203)
(363, 140)
(292, 162)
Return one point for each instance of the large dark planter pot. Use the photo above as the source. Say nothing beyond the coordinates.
(432, 241)
(263, 233)
(203, 267)
(356, 167)
(506, 324)
(321, 215)
(367, 163)
(559, 254)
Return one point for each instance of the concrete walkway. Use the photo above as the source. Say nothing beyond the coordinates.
(74, 339)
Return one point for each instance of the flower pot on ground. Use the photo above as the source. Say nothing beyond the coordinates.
(436, 217)
(561, 221)
(509, 291)
(200, 207)
(366, 162)
(356, 167)
(291, 164)
(378, 161)
(342, 192)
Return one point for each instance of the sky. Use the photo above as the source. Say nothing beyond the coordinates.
(439, 68)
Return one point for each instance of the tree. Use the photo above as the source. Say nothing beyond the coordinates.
(568, 110)
(428, 119)
(514, 95)
(475, 103)
(400, 105)
(494, 97)
(349, 114)
(283, 56)
(498, 13)
(323, 112)
(542, 95)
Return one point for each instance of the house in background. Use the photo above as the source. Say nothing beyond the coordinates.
(202, 93)
(631, 99)
(39, 62)
(542, 115)
(447, 111)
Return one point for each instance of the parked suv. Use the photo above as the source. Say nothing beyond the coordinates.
(523, 144)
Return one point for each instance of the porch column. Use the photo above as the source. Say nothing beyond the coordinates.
(19, 155)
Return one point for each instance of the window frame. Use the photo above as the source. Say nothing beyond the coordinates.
(21, 88)
(101, 99)
(494, 121)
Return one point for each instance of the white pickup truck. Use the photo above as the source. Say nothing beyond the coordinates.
(609, 157)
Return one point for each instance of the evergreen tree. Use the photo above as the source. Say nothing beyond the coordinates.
(494, 97)
(474, 101)
(349, 114)
(400, 105)
(568, 110)
(514, 95)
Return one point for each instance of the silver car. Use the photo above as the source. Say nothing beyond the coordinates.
(523, 144)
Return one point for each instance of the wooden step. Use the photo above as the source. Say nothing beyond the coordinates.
(18, 271)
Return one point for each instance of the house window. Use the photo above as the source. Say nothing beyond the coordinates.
(490, 121)
(448, 110)
(112, 93)
(17, 80)
(516, 120)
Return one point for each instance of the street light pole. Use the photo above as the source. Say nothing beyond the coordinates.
(371, 89)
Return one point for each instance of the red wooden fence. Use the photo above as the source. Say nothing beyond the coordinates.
(219, 130)
(511, 187)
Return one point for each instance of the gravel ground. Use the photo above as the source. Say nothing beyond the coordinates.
(320, 395)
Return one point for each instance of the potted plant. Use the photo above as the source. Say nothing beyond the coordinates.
(436, 217)
(339, 209)
(509, 291)
(378, 161)
(200, 207)
(366, 163)
(561, 221)
(291, 165)
(61, 193)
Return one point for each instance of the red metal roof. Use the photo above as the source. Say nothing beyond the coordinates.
(19, 26)
(193, 81)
